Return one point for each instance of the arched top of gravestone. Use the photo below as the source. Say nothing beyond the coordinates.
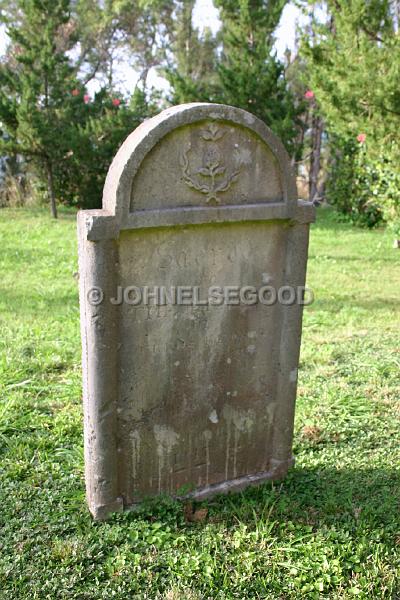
(198, 163)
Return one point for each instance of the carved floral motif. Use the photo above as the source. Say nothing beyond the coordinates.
(213, 177)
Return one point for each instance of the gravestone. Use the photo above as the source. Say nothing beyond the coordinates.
(189, 390)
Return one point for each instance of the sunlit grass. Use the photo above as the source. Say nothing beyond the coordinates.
(330, 530)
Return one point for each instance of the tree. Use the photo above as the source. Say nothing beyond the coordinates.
(353, 71)
(101, 125)
(97, 39)
(251, 76)
(192, 59)
(65, 137)
(33, 100)
(141, 32)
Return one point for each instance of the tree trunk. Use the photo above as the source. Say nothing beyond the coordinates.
(50, 189)
(317, 128)
(315, 162)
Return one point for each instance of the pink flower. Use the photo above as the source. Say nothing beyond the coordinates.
(75, 92)
(309, 95)
(361, 137)
(116, 102)
(86, 98)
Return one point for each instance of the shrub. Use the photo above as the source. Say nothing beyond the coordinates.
(364, 185)
(98, 127)
(352, 178)
(386, 189)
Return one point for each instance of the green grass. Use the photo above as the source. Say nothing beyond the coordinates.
(330, 530)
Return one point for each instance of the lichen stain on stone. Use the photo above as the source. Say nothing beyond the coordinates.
(237, 422)
(166, 439)
(213, 416)
(135, 441)
(246, 157)
(271, 408)
(207, 436)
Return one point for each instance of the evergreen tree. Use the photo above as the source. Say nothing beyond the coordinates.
(142, 31)
(64, 136)
(192, 60)
(100, 127)
(353, 70)
(34, 111)
(97, 36)
(251, 76)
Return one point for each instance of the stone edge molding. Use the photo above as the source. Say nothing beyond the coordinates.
(98, 233)
(116, 215)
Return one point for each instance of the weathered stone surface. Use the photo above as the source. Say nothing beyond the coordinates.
(189, 397)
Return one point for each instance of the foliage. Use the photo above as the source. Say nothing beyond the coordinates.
(387, 187)
(65, 141)
(33, 107)
(351, 180)
(251, 77)
(365, 187)
(192, 63)
(237, 66)
(100, 126)
(329, 530)
(357, 45)
(353, 70)
(143, 30)
(48, 118)
(96, 33)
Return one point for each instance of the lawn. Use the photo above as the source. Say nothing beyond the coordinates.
(330, 530)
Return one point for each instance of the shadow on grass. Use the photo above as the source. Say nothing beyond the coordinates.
(349, 259)
(327, 217)
(36, 255)
(27, 302)
(332, 305)
(67, 213)
(347, 499)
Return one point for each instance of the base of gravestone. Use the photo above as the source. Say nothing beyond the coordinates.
(278, 471)
(104, 511)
